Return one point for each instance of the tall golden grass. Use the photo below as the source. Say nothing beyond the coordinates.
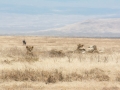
(54, 63)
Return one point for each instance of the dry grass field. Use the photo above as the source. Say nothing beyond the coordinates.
(54, 66)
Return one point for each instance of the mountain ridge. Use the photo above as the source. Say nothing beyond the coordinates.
(108, 27)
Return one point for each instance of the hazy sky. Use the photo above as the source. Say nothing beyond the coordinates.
(34, 15)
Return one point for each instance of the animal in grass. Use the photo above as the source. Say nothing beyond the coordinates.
(24, 42)
(29, 50)
(80, 49)
(92, 49)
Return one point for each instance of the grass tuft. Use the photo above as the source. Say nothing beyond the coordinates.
(56, 53)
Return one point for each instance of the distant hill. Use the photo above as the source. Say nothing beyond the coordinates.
(89, 28)
(94, 26)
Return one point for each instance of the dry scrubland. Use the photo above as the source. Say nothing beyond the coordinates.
(56, 69)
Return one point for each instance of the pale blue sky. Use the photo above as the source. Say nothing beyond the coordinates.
(34, 15)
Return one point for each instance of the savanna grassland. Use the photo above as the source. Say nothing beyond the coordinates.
(54, 66)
